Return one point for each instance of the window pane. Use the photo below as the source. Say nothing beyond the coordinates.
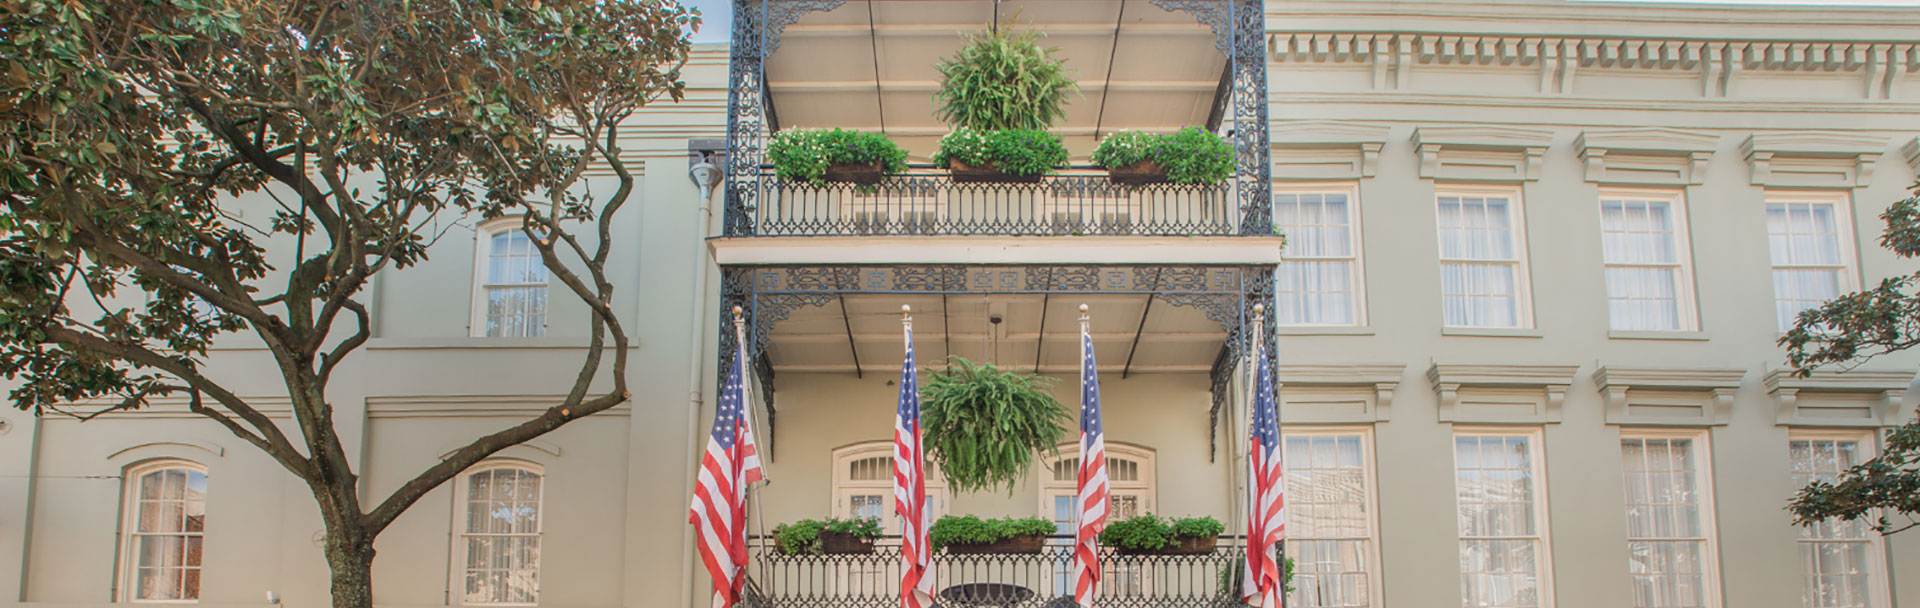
(1328, 528)
(502, 536)
(1499, 537)
(1315, 282)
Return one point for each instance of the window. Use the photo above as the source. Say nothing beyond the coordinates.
(499, 546)
(1649, 286)
(863, 485)
(1840, 560)
(512, 290)
(1130, 487)
(1811, 244)
(1482, 271)
(1318, 282)
(1330, 518)
(1503, 550)
(166, 529)
(1671, 558)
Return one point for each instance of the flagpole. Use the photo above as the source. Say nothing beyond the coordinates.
(740, 342)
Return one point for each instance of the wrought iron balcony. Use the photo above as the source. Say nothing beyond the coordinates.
(928, 202)
(1006, 580)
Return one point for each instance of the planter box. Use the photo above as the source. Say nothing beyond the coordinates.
(1138, 174)
(1186, 545)
(1017, 544)
(971, 174)
(855, 174)
(841, 543)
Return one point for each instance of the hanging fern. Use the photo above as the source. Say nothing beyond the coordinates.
(983, 424)
(1003, 80)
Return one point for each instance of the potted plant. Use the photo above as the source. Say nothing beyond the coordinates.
(1149, 534)
(817, 156)
(832, 536)
(971, 534)
(1001, 92)
(1188, 156)
(983, 424)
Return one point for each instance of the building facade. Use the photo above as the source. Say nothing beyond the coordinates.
(1536, 257)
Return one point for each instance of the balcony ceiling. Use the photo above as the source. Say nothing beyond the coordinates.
(822, 339)
(870, 66)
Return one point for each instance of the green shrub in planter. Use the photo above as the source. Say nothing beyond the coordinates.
(1149, 533)
(973, 530)
(983, 424)
(806, 155)
(1198, 527)
(804, 536)
(1003, 80)
(1014, 152)
(1189, 156)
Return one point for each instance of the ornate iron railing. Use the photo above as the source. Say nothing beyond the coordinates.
(928, 202)
(1007, 580)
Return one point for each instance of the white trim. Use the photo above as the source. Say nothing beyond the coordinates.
(457, 554)
(1879, 580)
(1542, 522)
(476, 302)
(1709, 511)
(1685, 291)
(124, 583)
(1371, 488)
(843, 484)
(1148, 486)
(1841, 201)
(1523, 283)
(1357, 277)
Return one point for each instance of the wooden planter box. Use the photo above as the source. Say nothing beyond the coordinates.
(1138, 174)
(855, 174)
(841, 543)
(977, 174)
(1186, 545)
(1017, 544)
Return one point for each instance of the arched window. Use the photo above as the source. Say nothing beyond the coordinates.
(499, 522)
(863, 485)
(510, 283)
(1130, 486)
(166, 525)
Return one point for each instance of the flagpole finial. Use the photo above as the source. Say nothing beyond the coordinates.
(737, 310)
(906, 310)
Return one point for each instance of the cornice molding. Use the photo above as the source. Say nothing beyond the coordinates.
(1380, 380)
(1489, 397)
(1318, 141)
(1481, 151)
(1670, 397)
(1858, 398)
(1658, 155)
(1812, 158)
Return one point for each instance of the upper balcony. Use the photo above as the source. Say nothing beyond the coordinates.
(1142, 65)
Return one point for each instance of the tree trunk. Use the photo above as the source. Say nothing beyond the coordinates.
(350, 558)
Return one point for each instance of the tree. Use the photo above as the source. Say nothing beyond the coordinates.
(372, 123)
(1849, 330)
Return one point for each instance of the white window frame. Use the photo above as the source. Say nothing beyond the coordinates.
(129, 565)
(1147, 487)
(1879, 577)
(1523, 282)
(1542, 521)
(1357, 276)
(457, 570)
(1369, 466)
(1685, 299)
(1703, 483)
(1849, 267)
(845, 487)
(482, 250)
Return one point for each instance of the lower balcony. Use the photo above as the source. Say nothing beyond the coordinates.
(1001, 580)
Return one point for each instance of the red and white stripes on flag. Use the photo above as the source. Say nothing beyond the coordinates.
(910, 486)
(1266, 487)
(732, 462)
(1093, 477)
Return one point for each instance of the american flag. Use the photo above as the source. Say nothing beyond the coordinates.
(1093, 478)
(719, 510)
(1266, 500)
(910, 488)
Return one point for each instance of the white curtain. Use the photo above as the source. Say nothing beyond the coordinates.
(1479, 271)
(1641, 251)
(1804, 243)
(1315, 285)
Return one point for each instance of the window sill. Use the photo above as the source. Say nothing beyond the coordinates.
(1491, 332)
(1323, 330)
(1656, 335)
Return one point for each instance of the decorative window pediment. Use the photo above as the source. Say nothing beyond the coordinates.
(1326, 149)
(1646, 155)
(1838, 399)
(1912, 152)
(1671, 397)
(1336, 393)
(1501, 394)
(1481, 152)
(1826, 159)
